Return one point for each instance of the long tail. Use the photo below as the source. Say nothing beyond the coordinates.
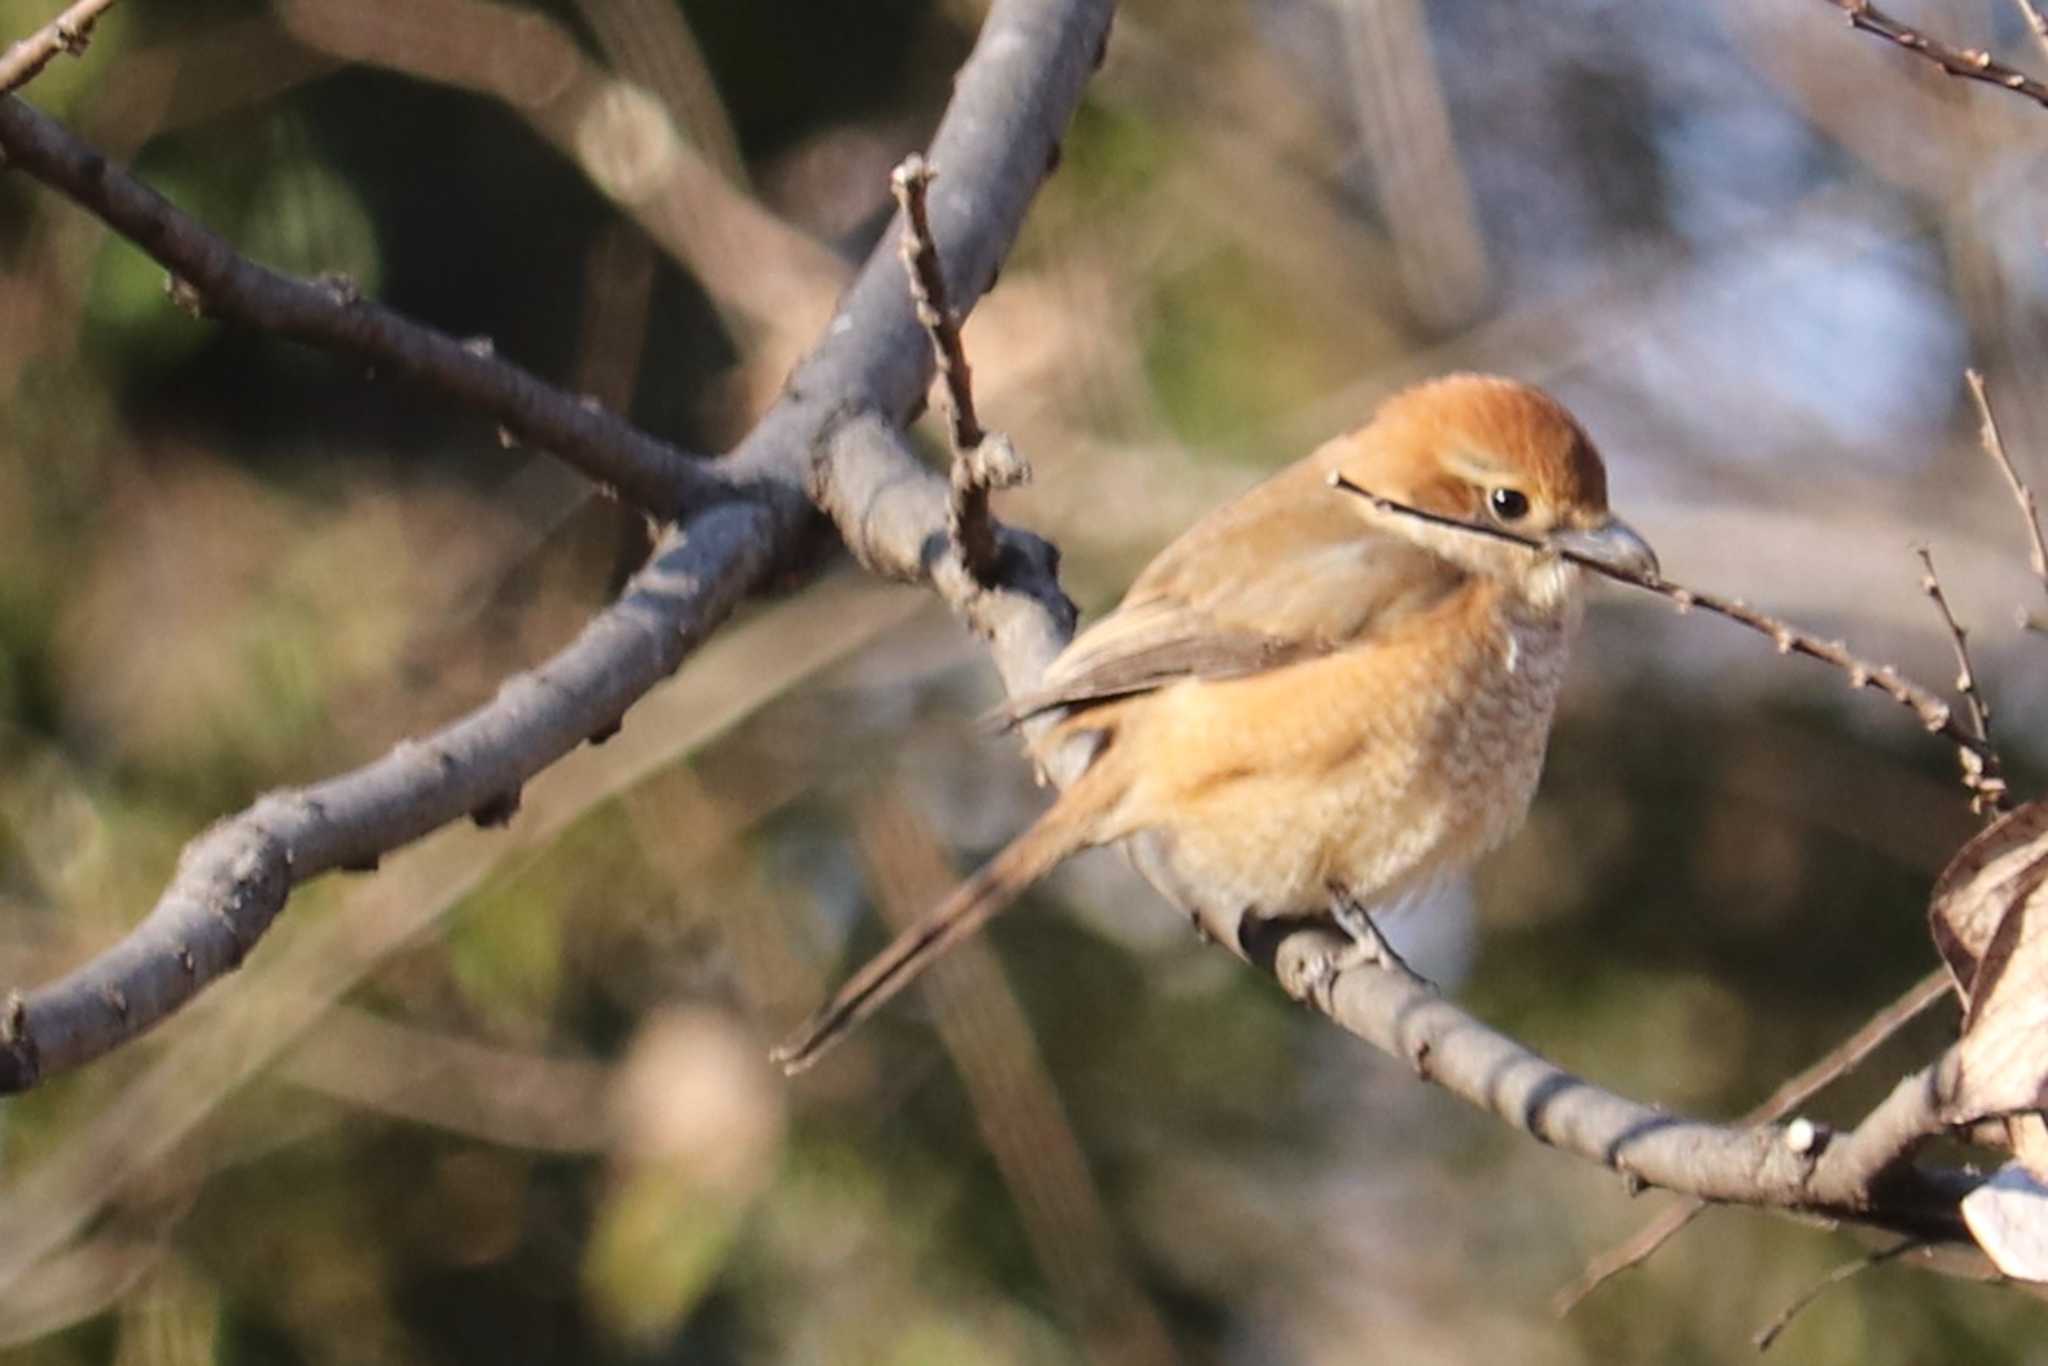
(1067, 826)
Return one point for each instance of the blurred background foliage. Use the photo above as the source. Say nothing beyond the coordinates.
(506, 1101)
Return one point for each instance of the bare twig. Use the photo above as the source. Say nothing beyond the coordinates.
(1983, 772)
(68, 33)
(1794, 1092)
(1846, 1056)
(1970, 64)
(1936, 715)
(331, 314)
(911, 184)
(1768, 1334)
(1994, 446)
(982, 460)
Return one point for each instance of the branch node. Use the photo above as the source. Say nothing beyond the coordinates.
(498, 811)
(993, 464)
(341, 286)
(69, 34)
(185, 296)
(21, 1062)
(1993, 442)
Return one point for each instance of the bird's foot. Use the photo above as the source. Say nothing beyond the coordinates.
(1368, 946)
(1364, 946)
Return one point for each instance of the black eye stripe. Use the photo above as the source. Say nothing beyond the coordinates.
(1509, 505)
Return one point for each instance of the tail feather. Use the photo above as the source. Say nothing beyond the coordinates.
(1060, 831)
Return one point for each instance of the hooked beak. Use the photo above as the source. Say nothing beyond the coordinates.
(1613, 543)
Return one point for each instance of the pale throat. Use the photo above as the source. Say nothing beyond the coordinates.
(1550, 589)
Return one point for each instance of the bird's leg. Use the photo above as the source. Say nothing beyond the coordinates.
(1368, 946)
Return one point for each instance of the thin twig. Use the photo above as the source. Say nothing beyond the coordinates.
(982, 460)
(232, 881)
(1768, 1334)
(330, 313)
(2036, 21)
(69, 33)
(1792, 1093)
(1970, 64)
(1936, 715)
(1994, 446)
(911, 183)
(1983, 773)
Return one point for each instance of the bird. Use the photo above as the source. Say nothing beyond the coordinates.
(1309, 699)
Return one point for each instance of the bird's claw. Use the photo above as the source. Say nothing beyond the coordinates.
(1368, 946)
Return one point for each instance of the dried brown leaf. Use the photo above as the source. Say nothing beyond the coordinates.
(1989, 918)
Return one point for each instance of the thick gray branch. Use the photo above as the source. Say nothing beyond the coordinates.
(233, 880)
(1863, 1176)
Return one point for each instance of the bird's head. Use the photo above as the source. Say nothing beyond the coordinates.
(1481, 449)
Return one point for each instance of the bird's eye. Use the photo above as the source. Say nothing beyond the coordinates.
(1509, 505)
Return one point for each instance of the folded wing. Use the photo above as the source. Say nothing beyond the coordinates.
(1288, 572)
